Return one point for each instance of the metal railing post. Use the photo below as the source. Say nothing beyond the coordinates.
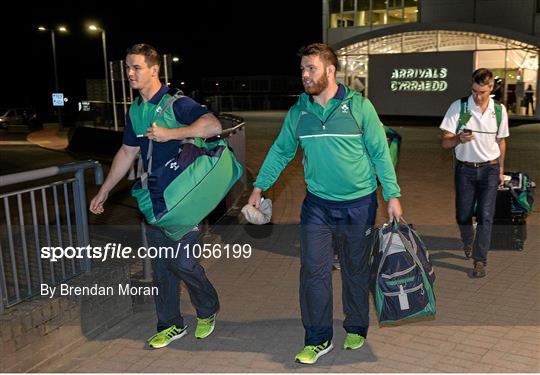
(81, 218)
(147, 264)
(2, 284)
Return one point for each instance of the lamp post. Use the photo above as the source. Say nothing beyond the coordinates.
(62, 29)
(176, 61)
(104, 43)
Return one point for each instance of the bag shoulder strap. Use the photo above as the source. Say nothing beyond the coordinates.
(498, 115)
(175, 95)
(361, 129)
(464, 108)
(360, 123)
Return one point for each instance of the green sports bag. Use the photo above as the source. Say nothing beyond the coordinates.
(178, 195)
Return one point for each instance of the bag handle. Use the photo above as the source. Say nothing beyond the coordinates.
(177, 95)
(408, 244)
(149, 157)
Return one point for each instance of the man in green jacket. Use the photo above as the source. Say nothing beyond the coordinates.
(345, 152)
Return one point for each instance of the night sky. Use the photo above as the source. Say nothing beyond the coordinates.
(213, 38)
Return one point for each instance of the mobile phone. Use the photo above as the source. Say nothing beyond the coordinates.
(467, 131)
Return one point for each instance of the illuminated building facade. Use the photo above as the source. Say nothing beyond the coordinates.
(414, 57)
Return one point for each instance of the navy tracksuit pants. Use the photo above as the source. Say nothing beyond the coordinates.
(323, 223)
(168, 272)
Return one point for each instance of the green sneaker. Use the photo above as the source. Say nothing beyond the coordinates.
(165, 337)
(311, 353)
(353, 341)
(205, 326)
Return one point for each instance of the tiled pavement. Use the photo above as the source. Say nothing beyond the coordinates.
(485, 325)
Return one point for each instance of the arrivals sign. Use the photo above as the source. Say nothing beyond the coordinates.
(418, 84)
(419, 79)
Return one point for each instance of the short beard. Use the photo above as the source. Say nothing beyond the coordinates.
(318, 86)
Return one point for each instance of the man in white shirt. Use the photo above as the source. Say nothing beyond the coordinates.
(477, 127)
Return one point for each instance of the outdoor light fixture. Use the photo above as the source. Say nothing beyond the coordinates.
(62, 29)
(93, 27)
(175, 59)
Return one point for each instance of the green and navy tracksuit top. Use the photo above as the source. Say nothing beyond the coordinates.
(344, 144)
(142, 114)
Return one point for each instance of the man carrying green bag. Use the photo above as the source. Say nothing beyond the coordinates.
(183, 119)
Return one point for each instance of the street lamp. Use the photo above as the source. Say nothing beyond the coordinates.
(53, 43)
(62, 29)
(104, 42)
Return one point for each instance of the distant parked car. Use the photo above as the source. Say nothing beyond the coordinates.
(19, 117)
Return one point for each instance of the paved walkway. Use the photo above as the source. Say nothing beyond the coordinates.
(50, 137)
(483, 325)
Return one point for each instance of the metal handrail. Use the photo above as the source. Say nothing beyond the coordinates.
(37, 174)
(81, 223)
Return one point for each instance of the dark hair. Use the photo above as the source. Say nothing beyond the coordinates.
(324, 51)
(151, 57)
(482, 77)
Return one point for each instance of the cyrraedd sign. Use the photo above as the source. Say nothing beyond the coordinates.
(418, 84)
(414, 79)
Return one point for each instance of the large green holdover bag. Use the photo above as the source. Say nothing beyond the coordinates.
(178, 195)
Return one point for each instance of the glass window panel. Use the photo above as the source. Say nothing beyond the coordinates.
(395, 15)
(348, 17)
(334, 13)
(452, 41)
(361, 17)
(529, 77)
(515, 58)
(354, 49)
(335, 6)
(410, 11)
(387, 44)
(495, 61)
(362, 5)
(490, 42)
(346, 20)
(420, 42)
(348, 5)
(490, 59)
(378, 13)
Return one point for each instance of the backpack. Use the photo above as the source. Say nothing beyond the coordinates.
(177, 195)
(394, 144)
(465, 115)
(402, 276)
(392, 137)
